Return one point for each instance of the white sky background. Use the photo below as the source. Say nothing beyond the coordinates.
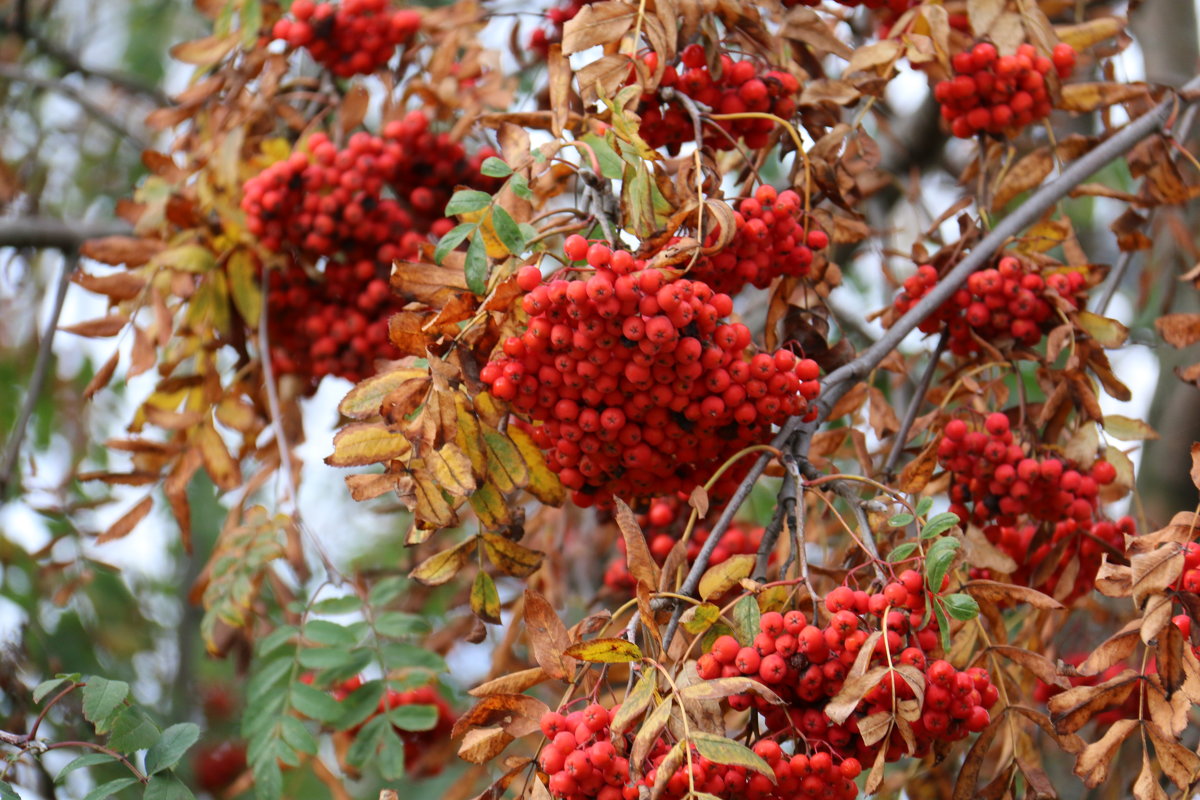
(343, 524)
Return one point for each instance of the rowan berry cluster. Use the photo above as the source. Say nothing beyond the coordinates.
(1000, 95)
(556, 17)
(355, 210)
(807, 665)
(641, 388)
(1013, 300)
(355, 37)
(581, 758)
(739, 539)
(1189, 579)
(796, 777)
(774, 237)
(416, 743)
(994, 484)
(738, 87)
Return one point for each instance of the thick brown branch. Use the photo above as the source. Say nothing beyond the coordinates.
(840, 380)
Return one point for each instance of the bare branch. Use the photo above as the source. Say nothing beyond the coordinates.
(838, 382)
(125, 81)
(93, 109)
(918, 398)
(56, 233)
(37, 381)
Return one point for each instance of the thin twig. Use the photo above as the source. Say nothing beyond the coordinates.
(291, 501)
(41, 369)
(787, 497)
(122, 80)
(57, 234)
(93, 109)
(840, 380)
(910, 416)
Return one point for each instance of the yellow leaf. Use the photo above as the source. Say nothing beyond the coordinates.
(605, 651)
(512, 558)
(485, 600)
(220, 465)
(491, 507)
(243, 285)
(543, 483)
(364, 443)
(441, 567)
(724, 576)
(452, 469)
(505, 465)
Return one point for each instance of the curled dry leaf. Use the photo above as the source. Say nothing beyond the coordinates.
(1075, 707)
(1093, 763)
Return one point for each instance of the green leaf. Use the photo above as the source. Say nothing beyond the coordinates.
(900, 520)
(252, 21)
(298, 736)
(961, 606)
(397, 655)
(268, 780)
(387, 590)
(277, 671)
(262, 710)
(901, 551)
(360, 704)
(347, 604)
(391, 755)
(485, 600)
(325, 657)
(520, 186)
(133, 730)
(924, 505)
(508, 231)
(314, 703)
(453, 238)
(109, 789)
(167, 787)
(745, 620)
(943, 626)
(397, 624)
(46, 687)
(330, 634)
(366, 743)
(720, 750)
(276, 639)
(495, 168)
(465, 201)
(611, 165)
(85, 760)
(175, 741)
(939, 524)
(101, 698)
(477, 265)
(7, 792)
(413, 717)
(937, 561)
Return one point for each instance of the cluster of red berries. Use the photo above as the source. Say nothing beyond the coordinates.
(737, 540)
(641, 387)
(556, 17)
(806, 665)
(1189, 578)
(739, 87)
(580, 757)
(1012, 300)
(416, 743)
(795, 777)
(996, 94)
(355, 37)
(774, 237)
(996, 485)
(354, 210)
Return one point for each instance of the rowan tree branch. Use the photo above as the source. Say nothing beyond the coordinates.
(37, 381)
(13, 72)
(125, 81)
(838, 382)
(914, 406)
(47, 232)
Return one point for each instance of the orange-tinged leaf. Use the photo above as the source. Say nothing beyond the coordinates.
(127, 522)
(1178, 763)
(605, 651)
(512, 683)
(366, 398)
(205, 52)
(1195, 472)
(995, 592)
(102, 376)
(1154, 571)
(101, 327)
(502, 708)
(1113, 650)
(1042, 667)
(130, 251)
(598, 23)
(1075, 707)
(547, 636)
(363, 443)
(218, 463)
(1093, 763)
(637, 553)
(1179, 330)
(481, 745)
